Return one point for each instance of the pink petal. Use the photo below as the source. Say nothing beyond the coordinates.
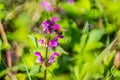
(47, 5)
(56, 27)
(41, 41)
(55, 19)
(51, 59)
(39, 59)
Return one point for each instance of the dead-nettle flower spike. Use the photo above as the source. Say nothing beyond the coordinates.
(49, 27)
(40, 58)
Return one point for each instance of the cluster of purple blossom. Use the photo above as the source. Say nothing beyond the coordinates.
(49, 27)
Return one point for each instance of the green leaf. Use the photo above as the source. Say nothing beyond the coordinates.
(3, 72)
(29, 59)
(110, 28)
(76, 72)
(0, 44)
(76, 9)
(83, 42)
(96, 69)
(61, 50)
(86, 27)
(116, 74)
(93, 40)
(93, 14)
(35, 69)
(53, 75)
(33, 41)
(71, 9)
(21, 76)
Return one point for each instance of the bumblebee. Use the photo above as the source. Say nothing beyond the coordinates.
(59, 32)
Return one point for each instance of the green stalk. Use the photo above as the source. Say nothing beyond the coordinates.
(47, 42)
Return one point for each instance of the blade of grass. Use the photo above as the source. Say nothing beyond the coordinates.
(28, 73)
(105, 52)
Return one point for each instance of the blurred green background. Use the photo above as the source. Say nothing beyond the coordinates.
(90, 49)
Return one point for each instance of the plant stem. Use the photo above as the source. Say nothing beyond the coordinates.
(47, 42)
(2, 32)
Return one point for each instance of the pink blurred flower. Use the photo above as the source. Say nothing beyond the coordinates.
(70, 1)
(47, 5)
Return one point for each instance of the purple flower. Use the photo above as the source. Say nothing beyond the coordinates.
(51, 59)
(70, 1)
(53, 43)
(56, 38)
(50, 26)
(47, 5)
(39, 59)
(56, 27)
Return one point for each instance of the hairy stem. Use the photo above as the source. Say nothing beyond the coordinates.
(47, 42)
